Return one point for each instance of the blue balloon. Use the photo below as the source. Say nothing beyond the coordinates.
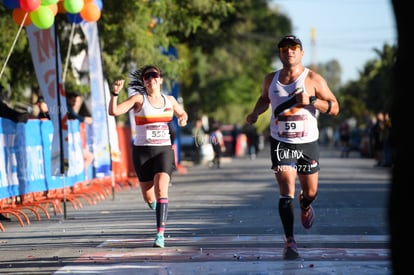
(99, 4)
(11, 4)
(74, 18)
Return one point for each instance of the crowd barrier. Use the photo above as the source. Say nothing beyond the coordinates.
(28, 184)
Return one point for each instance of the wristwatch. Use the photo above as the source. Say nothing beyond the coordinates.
(312, 100)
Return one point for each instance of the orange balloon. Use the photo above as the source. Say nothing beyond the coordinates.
(18, 17)
(61, 7)
(90, 12)
(54, 8)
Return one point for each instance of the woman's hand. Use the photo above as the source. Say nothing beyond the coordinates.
(117, 86)
(182, 121)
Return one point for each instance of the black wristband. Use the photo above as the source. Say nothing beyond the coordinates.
(329, 107)
(113, 94)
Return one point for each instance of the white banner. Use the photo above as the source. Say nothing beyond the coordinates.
(45, 56)
(113, 134)
(101, 151)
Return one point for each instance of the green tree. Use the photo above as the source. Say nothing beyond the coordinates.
(373, 91)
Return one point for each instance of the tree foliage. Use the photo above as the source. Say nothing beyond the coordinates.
(217, 51)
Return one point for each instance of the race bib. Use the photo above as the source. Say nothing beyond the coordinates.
(157, 134)
(292, 126)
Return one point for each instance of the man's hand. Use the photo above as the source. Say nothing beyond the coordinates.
(251, 118)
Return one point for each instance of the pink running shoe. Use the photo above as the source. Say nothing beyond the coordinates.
(307, 216)
(290, 252)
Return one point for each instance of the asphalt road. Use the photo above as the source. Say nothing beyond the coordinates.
(220, 221)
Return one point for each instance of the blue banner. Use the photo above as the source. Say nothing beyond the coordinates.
(31, 169)
(9, 182)
(26, 157)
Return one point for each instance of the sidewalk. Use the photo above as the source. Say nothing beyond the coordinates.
(221, 221)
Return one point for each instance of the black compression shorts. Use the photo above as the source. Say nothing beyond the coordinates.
(149, 160)
(303, 157)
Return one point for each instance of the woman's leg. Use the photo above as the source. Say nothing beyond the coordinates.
(162, 181)
(148, 194)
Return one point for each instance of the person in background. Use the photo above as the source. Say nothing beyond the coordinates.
(217, 141)
(199, 139)
(7, 112)
(252, 140)
(74, 102)
(377, 132)
(152, 153)
(296, 95)
(344, 137)
(43, 109)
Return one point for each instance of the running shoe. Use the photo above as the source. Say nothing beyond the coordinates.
(307, 216)
(159, 241)
(152, 205)
(290, 252)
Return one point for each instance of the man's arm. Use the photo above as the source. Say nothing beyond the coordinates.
(263, 101)
(326, 101)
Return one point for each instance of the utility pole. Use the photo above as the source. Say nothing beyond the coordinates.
(313, 48)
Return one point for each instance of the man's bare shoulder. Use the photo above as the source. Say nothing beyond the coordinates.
(269, 77)
(314, 75)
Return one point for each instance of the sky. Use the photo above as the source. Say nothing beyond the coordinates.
(345, 30)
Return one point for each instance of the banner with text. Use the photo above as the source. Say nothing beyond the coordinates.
(45, 52)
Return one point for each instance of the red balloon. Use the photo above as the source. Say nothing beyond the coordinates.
(29, 5)
(18, 17)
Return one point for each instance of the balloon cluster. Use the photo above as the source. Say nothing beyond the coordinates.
(42, 13)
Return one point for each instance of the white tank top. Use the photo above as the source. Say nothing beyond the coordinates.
(294, 124)
(151, 123)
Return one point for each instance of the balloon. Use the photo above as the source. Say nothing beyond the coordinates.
(11, 4)
(74, 18)
(54, 8)
(18, 17)
(61, 7)
(48, 2)
(29, 5)
(73, 6)
(42, 17)
(99, 4)
(90, 12)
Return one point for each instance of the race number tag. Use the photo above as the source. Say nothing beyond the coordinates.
(157, 134)
(292, 126)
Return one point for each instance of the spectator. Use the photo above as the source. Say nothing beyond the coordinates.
(199, 139)
(344, 136)
(217, 141)
(43, 109)
(378, 134)
(75, 102)
(7, 112)
(252, 140)
(387, 155)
